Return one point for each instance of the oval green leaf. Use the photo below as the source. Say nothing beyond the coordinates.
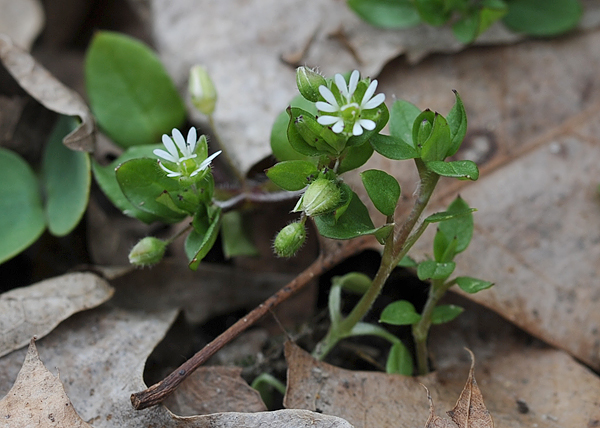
(430, 269)
(386, 13)
(461, 169)
(197, 245)
(67, 179)
(445, 313)
(472, 285)
(132, 96)
(292, 175)
(460, 227)
(542, 17)
(402, 118)
(457, 121)
(399, 360)
(393, 147)
(401, 312)
(22, 220)
(383, 189)
(355, 221)
(280, 144)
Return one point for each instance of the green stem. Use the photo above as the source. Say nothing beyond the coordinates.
(421, 329)
(396, 247)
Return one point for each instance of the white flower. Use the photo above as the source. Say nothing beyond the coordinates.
(180, 151)
(350, 112)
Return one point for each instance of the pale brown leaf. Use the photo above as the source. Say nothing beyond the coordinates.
(50, 92)
(38, 399)
(37, 309)
(22, 21)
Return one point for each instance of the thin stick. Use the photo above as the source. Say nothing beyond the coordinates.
(159, 391)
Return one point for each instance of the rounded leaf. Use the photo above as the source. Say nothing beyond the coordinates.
(445, 313)
(472, 285)
(383, 189)
(401, 312)
(292, 175)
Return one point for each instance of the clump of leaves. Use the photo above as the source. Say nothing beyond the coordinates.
(471, 18)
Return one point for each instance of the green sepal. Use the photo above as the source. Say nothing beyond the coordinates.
(67, 180)
(472, 285)
(402, 119)
(430, 269)
(399, 360)
(461, 169)
(457, 121)
(401, 312)
(292, 175)
(382, 118)
(203, 236)
(22, 220)
(131, 94)
(445, 313)
(107, 180)
(308, 131)
(438, 142)
(143, 182)
(393, 147)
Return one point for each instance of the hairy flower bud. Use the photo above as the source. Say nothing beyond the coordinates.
(202, 90)
(321, 196)
(147, 252)
(308, 82)
(289, 239)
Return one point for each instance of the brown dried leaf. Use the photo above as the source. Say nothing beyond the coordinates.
(50, 92)
(101, 356)
(37, 309)
(38, 398)
(214, 389)
(22, 21)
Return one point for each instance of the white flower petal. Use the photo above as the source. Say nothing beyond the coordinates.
(338, 127)
(369, 92)
(340, 82)
(357, 129)
(170, 146)
(353, 83)
(326, 107)
(206, 162)
(168, 171)
(192, 139)
(328, 95)
(368, 124)
(327, 120)
(374, 102)
(166, 156)
(178, 137)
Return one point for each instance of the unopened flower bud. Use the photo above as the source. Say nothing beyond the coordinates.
(147, 252)
(202, 90)
(289, 239)
(308, 82)
(321, 196)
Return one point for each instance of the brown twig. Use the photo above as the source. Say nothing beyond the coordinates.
(159, 391)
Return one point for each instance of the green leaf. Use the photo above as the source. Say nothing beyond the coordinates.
(235, 236)
(399, 360)
(457, 121)
(383, 189)
(465, 29)
(197, 245)
(430, 269)
(401, 312)
(354, 222)
(439, 142)
(402, 118)
(460, 227)
(130, 92)
(542, 17)
(445, 313)
(393, 147)
(146, 186)
(355, 157)
(354, 282)
(292, 175)
(472, 285)
(107, 180)
(306, 122)
(67, 179)
(386, 13)
(280, 145)
(444, 249)
(446, 215)
(461, 169)
(433, 11)
(22, 220)
(407, 262)
(492, 11)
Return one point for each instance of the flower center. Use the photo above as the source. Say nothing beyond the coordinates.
(188, 166)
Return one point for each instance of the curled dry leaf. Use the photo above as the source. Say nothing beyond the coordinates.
(37, 309)
(469, 411)
(38, 398)
(50, 92)
(22, 20)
